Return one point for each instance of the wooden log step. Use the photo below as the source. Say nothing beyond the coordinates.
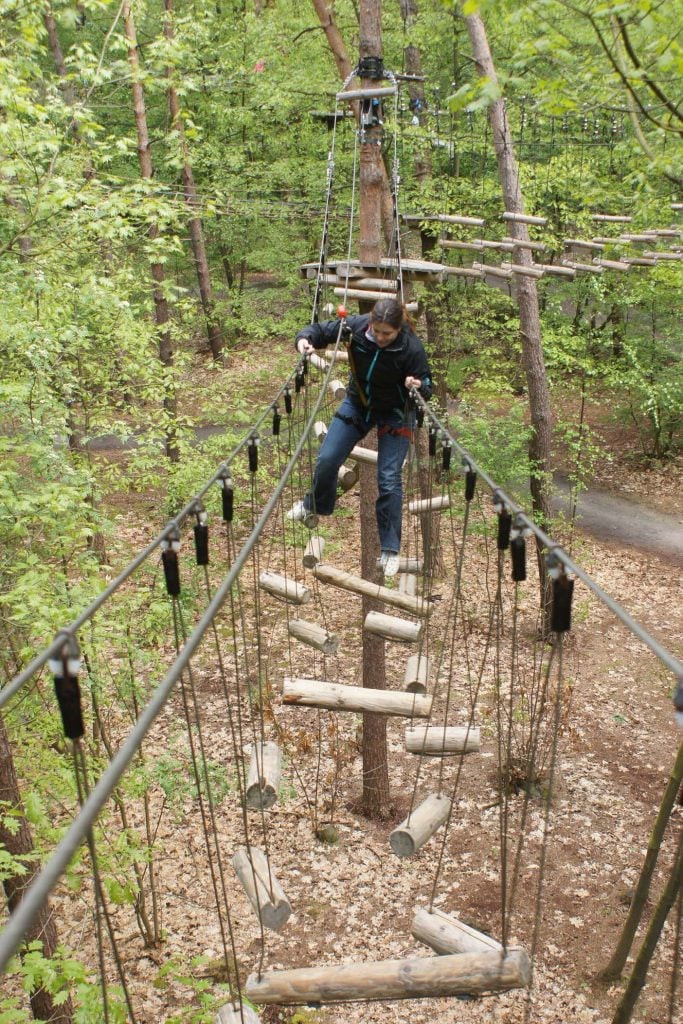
(314, 693)
(237, 1013)
(376, 283)
(465, 272)
(314, 636)
(347, 477)
(416, 674)
(581, 243)
(522, 269)
(407, 584)
(491, 271)
(523, 243)
(677, 206)
(610, 218)
(338, 389)
(320, 429)
(640, 261)
(442, 740)
(262, 888)
(392, 628)
(663, 255)
(360, 454)
(341, 356)
(445, 934)
(650, 236)
(611, 264)
(357, 585)
(420, 825)
(415, 565)
(588, 268)
(525, 218)
(318, 361)
(364, 94)
(436, 504)
(263, 780)
(284, 588)
(409, 978)
(313, 552)
(444, 218)
(605, 239)
(552, 268)
(492, 243)
(359, 293)
(667, 232)
(453, 243)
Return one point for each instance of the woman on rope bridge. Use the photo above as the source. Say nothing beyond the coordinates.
(387, 360)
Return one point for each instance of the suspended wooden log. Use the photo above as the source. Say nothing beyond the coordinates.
(357, 585)
(519, 243)
(663, 255)
(553, 268)
(319, 429)
(490, 243)
(314, 693)
(410, 978)
(391, 628)
(640, 261)
(446, 934)
(365, 94)
(588, 268)
(416, 674)
(452, 243)
(376, 283)
(677, 206)
(491, 271)
(581, 243)
(281, 586)
(436, 504)
(359, 293)
(525, 218)
(610, 218)
(445, 218)
(341, 356)
(443, 740)
(361, 454)
(262, 888)
(313, 552)
(237, 1013)
(313, 635)
(316, 360)
(466, 272)
(611, 264)
(407, 584)
(347, 477)
(667, 232)
(338, 390)
(605, 240)
(420, 825)
(522, 269)
(650, 236)
(411, 565)
(263, 780)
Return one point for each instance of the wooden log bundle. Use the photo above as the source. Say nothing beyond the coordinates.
(411, 978)
(442, 740)
(446, 934)
(357, 585)
(283, 587)
(237, 1013)
(416, 674)
(313, 552)
(391, 628)
(420, 825)
(313, 635)
(315, 693)
(262, 888)
(263, 780)
(436, 504)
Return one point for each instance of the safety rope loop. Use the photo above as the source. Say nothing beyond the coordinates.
(504, 521)
(470, 479)
(563, 591)
(678, 702)
(446, 452)
(433, 434)
(201, 535)
(65, 669)
(170, 546)
(252, 449)
(518, 550)
(277, 420)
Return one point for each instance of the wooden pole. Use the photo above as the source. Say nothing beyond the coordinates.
(314, 552)
(313, 635)
(338, 578)
(262, 888)
(440, 740)
(263, 780)
(282, 587)
(316, 693)
(391, 628)
(420, 825)
(445, 934)
(414, 978)
(416, 674)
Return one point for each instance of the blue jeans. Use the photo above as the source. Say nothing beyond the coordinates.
(349, 426)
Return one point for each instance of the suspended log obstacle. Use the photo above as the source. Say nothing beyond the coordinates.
(237, 1013)
(442, 740)
(416, 674)
(420, 825)
(347, 477)
(284, 588)
(361, 454)
(424, 505)
(315, 693)
(313, 552)
(263, 780)
(411, 978)
(407, 584)
(391, 628)
(314, 636)
(262, 888)
(446, 934)
(357, 585)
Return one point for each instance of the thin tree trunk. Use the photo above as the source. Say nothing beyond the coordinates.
(213, 326)
(161, 309)
(20, 844)
(527, 300)
(615, 967)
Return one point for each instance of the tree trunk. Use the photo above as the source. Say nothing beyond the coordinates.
(213, 327)
(20, 844)
(161, 310)
(527, 300)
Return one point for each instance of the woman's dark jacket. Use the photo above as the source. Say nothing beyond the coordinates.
(377, 374)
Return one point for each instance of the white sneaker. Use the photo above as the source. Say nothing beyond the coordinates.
(389, 562)
(298, 513)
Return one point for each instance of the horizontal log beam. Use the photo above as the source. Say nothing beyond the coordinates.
(316, 693)
(357, 585)
(442, 740)
(391, 628)
(284, 588)
(313, 635)
(525, 218)
(413, 978)
(446, 934)
(420, 825)
(422, 505)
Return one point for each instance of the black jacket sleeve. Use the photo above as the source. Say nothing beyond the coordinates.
(322, 334)
(418, 366)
